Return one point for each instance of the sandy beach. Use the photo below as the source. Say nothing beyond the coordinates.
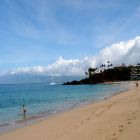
(115, 118)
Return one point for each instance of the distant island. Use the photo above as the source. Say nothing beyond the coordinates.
(109, 74)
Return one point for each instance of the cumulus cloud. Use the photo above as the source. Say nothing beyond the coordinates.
(123, 52)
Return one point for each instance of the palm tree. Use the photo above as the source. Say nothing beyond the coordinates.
(108, 64)
(123, 65)
(86, 73)
(102, 67)
(91, 71)
(111, 65)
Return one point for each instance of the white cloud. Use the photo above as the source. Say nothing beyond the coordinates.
(123, 52)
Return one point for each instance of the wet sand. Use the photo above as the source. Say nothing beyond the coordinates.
(115, 118)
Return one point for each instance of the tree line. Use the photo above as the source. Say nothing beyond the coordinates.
(109, 73)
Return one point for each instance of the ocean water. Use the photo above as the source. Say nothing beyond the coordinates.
(43, 99)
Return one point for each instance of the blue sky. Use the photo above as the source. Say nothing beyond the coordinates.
(38, 32)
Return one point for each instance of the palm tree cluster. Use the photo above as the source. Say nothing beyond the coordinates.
(101, 68)
(91, 71)
(118, 73)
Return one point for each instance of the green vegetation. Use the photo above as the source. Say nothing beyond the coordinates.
(109, 74)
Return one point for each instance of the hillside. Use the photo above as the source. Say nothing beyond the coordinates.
(121, 73)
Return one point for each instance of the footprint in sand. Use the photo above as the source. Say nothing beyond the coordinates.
(88, 118)
(113, 134)
(121, 126)
(134, 117)
(97, 115)
(120, 130)
(129, 122)
(76, 126)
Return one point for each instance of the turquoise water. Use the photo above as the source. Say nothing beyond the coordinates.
(43, 99)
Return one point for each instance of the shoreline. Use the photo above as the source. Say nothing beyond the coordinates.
(78, 119)
(30, 120)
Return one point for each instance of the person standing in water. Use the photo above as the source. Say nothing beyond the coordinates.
(24, 110)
